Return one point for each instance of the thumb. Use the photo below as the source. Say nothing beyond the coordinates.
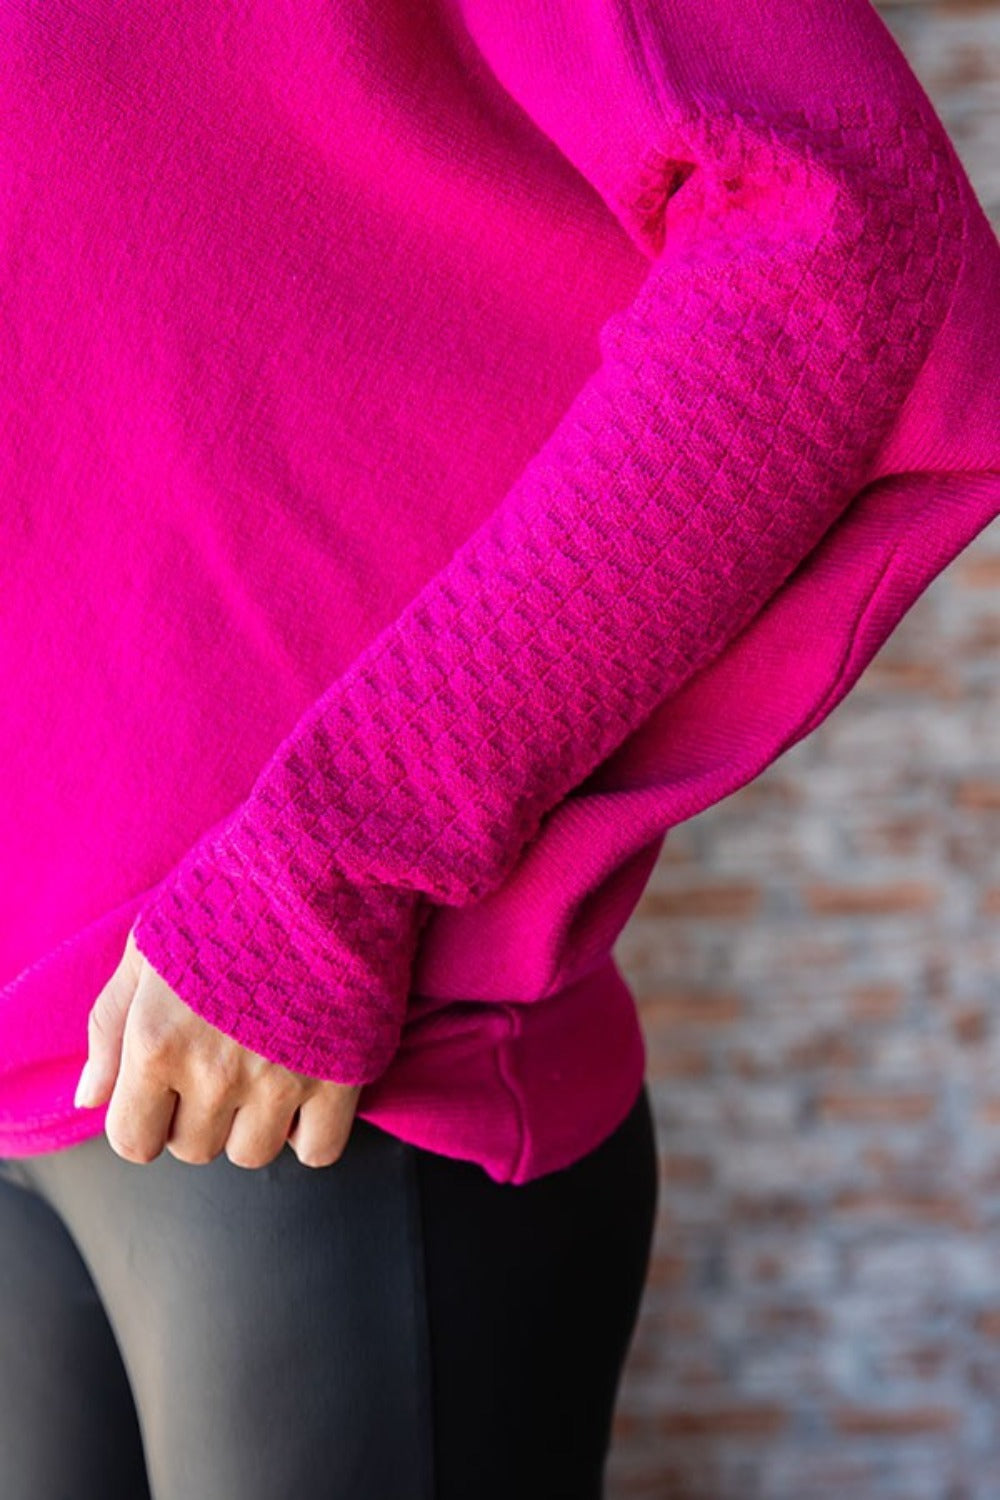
(105, 1028)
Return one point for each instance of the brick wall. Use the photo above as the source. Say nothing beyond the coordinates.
(817, 964)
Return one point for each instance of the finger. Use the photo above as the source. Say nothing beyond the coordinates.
(211, 1091)
(144, 1098)
(105, 1028)
(324, 1127)
(255, 1137)
(199, 1130)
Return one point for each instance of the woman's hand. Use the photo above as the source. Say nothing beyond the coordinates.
(174, 1080)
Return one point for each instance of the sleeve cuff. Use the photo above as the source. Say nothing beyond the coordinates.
(316, 981)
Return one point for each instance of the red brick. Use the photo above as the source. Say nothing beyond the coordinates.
(737, 1420)
(843, 1105)
(666, 1060)
(753, 1064)
(977, 569)
(682, 1320)
(692, 1008)
(979, 792)
(666, 1269)
(875, 900)
(785, 1209)
(930, 679)
(905, 834)
(934, 1208)
(687, 1171)
(923, 1362)
(875, 1002)
(970, 1027)
(735, 898)
(831, 1050)
(987, 1322)
(869, 1420)
(779, 1318)
(982, 636)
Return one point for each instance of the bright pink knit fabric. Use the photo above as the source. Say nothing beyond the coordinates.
(442, 448)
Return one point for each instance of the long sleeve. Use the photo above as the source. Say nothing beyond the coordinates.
(802, 214)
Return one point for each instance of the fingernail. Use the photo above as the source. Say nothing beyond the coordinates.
(81, 1099)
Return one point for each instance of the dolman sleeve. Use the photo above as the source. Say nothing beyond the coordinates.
(811, 240)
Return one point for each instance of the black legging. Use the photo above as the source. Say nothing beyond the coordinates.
(396, 1326)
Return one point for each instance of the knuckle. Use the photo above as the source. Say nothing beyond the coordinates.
(150, 1038)
(279, 1088)
(215, 1078)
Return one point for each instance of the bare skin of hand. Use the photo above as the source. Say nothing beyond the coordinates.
(176, 1081)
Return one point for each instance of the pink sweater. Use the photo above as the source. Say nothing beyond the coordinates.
(442, 448)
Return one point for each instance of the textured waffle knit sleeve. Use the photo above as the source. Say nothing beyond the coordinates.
(802, 214)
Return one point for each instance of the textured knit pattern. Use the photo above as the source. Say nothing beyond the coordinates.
(780, 339)
(395, 848)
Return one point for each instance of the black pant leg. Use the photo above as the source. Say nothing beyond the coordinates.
(68, 1426)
